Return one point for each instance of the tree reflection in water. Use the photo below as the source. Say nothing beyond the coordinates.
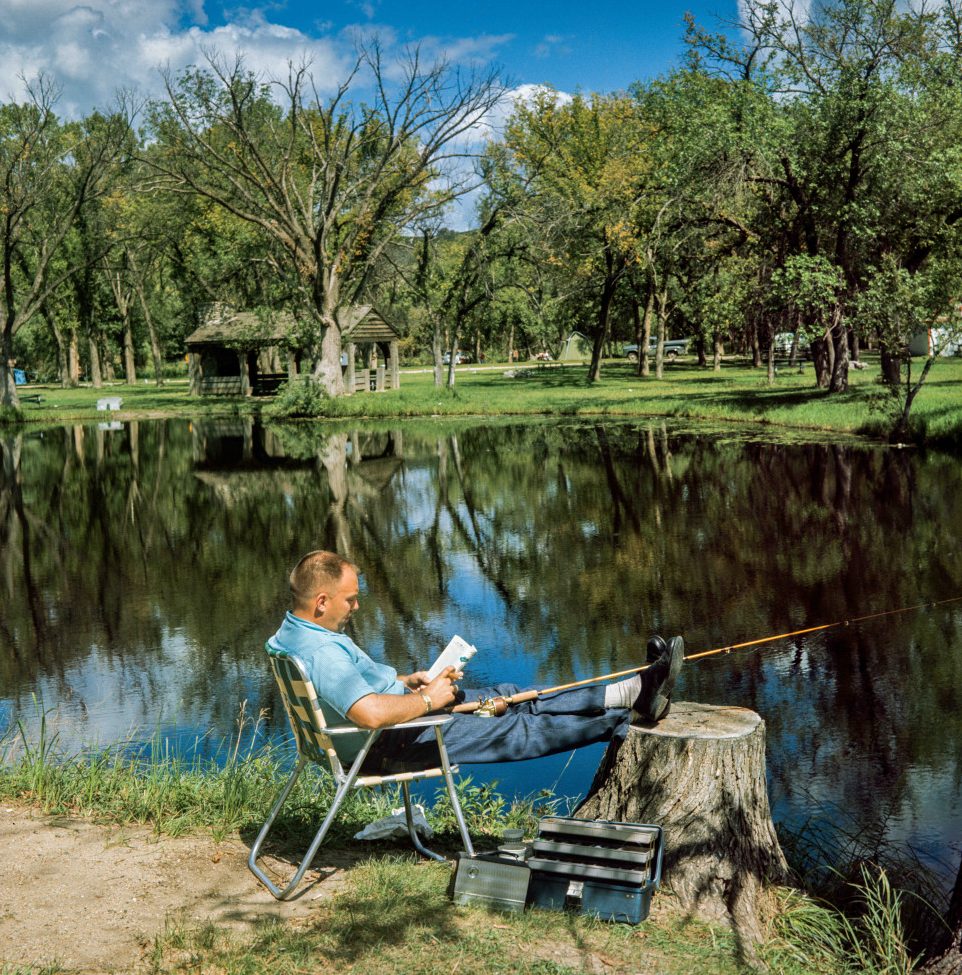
(143, 568)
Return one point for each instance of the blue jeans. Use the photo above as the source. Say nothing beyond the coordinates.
(547, 725)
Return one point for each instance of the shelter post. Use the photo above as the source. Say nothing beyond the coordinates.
(350, 381)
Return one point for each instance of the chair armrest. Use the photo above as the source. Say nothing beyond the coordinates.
(426, 722)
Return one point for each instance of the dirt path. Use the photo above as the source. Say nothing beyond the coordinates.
(91, 898)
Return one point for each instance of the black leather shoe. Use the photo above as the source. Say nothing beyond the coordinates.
(656, 647)
(657, 682)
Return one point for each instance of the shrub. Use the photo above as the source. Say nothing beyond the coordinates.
(10, 416)
(300, 397)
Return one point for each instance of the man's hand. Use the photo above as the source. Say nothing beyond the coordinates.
(415, 681)
(420, 678)
(442, 689)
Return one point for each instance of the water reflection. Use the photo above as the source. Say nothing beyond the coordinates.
(142, 569)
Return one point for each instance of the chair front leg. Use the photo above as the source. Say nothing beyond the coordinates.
(453, 793)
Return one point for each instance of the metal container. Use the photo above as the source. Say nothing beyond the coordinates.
(494, 879)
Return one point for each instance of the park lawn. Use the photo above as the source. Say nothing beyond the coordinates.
(737, 393)
(394, 914)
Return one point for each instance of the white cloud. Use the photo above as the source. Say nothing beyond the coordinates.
(93, 48)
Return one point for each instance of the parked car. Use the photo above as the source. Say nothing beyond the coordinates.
(458, 359)
(673, 348)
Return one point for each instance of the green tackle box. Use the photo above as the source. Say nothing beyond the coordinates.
(610, 870)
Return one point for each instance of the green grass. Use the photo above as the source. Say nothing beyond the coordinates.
(738, 394)
(395, 916)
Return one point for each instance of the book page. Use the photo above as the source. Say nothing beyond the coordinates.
(456, 654)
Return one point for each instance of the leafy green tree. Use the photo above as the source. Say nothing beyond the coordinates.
(861, 154)
(49, 174)
(576, 171)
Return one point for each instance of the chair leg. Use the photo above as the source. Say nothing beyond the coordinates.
(283, 893)
(266, 828)
(412, 832)
(453, 793)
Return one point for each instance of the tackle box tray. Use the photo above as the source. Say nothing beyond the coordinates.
(594, 854)
(600, 832)
(607, 869)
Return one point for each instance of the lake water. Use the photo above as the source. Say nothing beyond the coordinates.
(143, 565)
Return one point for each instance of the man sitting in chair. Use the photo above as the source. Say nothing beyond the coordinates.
(351, 685)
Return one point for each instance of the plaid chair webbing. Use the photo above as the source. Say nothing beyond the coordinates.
(304, 712)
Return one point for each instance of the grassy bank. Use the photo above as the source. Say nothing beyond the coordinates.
(737, 394)
(395, 911)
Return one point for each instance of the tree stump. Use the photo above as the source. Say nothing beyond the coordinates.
(700, 775)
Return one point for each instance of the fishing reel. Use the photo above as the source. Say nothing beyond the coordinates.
(491, 707)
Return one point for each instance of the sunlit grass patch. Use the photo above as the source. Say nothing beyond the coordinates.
(738, 394)
(395, 915)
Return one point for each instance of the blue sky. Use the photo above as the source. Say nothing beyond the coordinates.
(93, 46)
(592, 47)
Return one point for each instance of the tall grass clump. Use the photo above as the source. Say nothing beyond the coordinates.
(830, 853)
(811, 937)
(156, 785)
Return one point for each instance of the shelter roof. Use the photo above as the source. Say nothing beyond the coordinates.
(364, 323)
(244, 329)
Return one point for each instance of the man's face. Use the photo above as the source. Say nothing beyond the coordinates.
(338, 604)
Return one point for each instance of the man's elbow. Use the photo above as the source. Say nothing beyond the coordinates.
(367, 714)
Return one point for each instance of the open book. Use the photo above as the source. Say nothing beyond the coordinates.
(456, 654)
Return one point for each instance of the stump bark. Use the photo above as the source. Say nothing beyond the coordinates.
(700, 775)
(949, 962)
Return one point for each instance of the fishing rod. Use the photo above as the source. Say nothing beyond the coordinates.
(496, 706)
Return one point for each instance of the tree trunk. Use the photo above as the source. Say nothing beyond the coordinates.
(949, 962)
(96, 376)
(73, 359)
(700, 775)
(645, 340)
(604, 312)
(820, 360)
(130, 366)
(660, 341)
(839, 340)
(437, 340)
(717, 352)
(8, 387)
(891, 367)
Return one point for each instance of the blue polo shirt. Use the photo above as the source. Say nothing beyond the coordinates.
(341, 672)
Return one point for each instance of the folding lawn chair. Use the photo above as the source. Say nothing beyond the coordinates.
(315, 744)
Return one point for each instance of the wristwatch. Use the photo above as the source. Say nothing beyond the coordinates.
(428, 703)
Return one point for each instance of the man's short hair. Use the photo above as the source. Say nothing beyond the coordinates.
(316, 571)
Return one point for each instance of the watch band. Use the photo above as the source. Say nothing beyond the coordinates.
(428, 703)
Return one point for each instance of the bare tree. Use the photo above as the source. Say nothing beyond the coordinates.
(331, 180)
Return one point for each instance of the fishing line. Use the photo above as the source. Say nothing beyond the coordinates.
(497, 706)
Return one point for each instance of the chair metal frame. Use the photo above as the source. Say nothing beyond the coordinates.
(315, 744)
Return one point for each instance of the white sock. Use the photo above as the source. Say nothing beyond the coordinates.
(624, 693)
